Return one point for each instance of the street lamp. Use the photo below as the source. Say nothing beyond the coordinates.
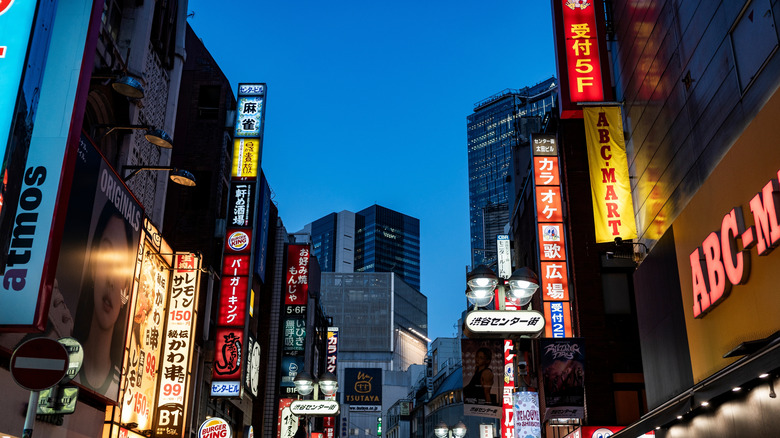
(305, 384)
(443, 431)
(482, 282)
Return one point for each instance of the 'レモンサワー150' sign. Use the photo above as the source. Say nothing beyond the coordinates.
(719, 263)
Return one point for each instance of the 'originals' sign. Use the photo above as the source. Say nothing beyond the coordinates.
(719, 255)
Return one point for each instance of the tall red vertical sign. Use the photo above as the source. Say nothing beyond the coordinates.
(580, 53)
(553, 267)
(235, 297)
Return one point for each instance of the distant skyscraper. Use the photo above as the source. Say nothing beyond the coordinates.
(498, 124)
(375, 239)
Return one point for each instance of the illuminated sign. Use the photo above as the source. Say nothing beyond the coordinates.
(177, 348)
(503, 323)
(315, 408)
(215, 428)
(719, 255)
(146, 335)
(236, 297)
(579, 53)
(332, 350)
(297, 284)
(26, 284)
(613, 208)
(246, 157)
(582, 51)
(363, 389)
(553, 265)
(15, 24)
(504, 252)
(558, 315)
(555, 281)
(242, 204)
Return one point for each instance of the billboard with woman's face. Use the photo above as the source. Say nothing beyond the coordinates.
(94, 276)
(95, 269)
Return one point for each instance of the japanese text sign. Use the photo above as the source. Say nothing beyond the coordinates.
(613, 208)
(297, 283)
(177, 348)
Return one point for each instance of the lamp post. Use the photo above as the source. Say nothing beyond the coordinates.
(305, 384)
(482, 283)
(443, 431)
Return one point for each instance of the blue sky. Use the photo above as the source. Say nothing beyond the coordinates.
(367, 104)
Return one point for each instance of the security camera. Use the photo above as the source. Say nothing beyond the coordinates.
(522, 367)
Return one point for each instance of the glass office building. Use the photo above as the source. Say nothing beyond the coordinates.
(375, 239)
(499, 123)
(381, 319)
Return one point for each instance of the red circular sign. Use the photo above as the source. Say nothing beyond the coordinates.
(39, 363)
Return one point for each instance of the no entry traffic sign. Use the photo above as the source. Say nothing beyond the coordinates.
(39, 363)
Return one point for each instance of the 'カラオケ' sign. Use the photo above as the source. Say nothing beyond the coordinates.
(720, 256)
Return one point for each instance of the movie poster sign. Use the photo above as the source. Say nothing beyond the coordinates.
(363, 389)
(563, 368)
(175, 373)
(94, 277)
(146, 335)
(483, 371)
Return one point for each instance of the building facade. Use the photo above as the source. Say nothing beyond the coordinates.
(499, 124)
(375, 239)
(700, 135)
(383, 324)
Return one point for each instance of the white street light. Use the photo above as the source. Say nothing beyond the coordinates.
(482, 283)
(443, 431)
(523, 284)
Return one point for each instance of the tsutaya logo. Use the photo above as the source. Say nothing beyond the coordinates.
(363, 383)
(725, 263)
(214, 428)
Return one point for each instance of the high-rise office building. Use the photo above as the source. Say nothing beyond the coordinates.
(375, 239)
(498, 124)
(382, 343)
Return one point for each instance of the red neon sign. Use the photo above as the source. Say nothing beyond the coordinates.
(582, 51)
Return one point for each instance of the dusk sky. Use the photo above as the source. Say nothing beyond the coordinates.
(367, 104)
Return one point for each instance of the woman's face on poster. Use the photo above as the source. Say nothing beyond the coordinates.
(481, 359)
(110, 273)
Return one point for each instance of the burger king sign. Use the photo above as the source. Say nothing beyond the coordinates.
(214, 428)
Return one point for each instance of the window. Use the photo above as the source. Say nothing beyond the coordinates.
(208, 101)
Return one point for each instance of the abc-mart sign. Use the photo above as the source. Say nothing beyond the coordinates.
(719, 263)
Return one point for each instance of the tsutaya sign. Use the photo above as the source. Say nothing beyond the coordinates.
(613, 208)
(725, 264)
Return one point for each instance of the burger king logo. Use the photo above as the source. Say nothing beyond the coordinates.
(238, 241)
(214, 428)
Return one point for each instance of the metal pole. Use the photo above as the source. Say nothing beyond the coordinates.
(29, 420)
